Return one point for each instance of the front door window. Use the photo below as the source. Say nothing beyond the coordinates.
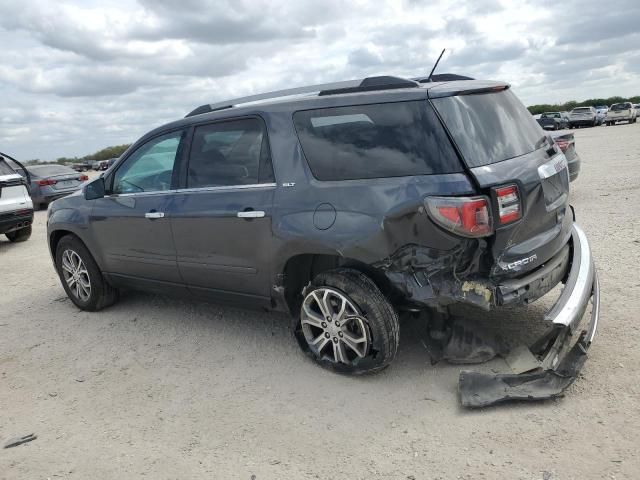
(150, 167)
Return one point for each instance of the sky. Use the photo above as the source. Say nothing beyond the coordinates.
(80, 75)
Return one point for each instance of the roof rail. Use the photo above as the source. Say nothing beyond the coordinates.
(348, 86)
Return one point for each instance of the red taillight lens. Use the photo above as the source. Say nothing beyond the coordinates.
(563, 144)
(466, 216)
(509, 208)
(83, 178)
(46, 182)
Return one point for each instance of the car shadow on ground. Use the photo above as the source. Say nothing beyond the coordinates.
(245, 330)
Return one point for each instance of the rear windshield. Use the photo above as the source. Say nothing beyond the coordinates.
(619, 106)
(373, 141)
(49, 170)
(581, 110)
(5, 169)
(490, 127)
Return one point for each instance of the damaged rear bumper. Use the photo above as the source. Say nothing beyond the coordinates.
(559, 361)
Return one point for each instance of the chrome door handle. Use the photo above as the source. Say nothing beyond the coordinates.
(251, 214)
(153, 215)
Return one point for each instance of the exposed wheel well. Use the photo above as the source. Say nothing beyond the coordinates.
(301, 269)
(55, 238)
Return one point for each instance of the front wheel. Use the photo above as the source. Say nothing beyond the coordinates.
(80, 276)
(346, 324)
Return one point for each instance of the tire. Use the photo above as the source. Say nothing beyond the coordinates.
(21, 235)
(371, 323)
(100, 293)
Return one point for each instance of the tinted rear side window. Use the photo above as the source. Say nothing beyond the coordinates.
(230, 153)
(490, 127)
(373, 141)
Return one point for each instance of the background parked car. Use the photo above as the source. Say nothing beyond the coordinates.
(16, 209)
(49, 182)
(583, 117)
(601, 109)
(619, 112)
(567, 143)
(81, 166)
(553, 121)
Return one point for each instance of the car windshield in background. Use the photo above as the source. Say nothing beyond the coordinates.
(50, 170)
(581, 110)
(619, 106)
(373, 141)
(490, 127)
(550, 115)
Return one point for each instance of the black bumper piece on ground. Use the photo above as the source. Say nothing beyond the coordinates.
(559, 362)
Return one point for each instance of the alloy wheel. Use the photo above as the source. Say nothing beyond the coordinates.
(76, 275)
(334, 327)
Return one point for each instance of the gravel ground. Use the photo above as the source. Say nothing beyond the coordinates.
(168, 389)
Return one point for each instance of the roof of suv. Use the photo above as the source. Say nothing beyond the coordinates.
(352, 92)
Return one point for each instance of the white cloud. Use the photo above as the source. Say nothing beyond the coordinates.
(79, 75)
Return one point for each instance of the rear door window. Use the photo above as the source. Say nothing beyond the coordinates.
(228, 154)
(490, 127)
(373, 141)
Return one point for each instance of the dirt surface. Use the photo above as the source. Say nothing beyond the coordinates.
(167, 389)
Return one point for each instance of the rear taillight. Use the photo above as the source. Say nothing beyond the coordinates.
(46, 182)
(563, 144)
(83, 178)
(509, 207)
(466, 216)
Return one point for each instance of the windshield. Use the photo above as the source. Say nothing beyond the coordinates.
(551, 115)
(490, 127)
(50, 170)
(581, 110)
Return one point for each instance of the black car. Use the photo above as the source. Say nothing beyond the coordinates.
(81, 166)
(553, 121)
(344, 205)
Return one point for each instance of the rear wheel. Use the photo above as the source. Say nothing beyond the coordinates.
(81, 277)
(346, 324)
(21, 235)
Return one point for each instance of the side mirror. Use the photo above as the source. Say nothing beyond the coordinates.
(94, 189)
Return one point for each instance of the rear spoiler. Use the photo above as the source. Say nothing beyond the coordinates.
(466, 87)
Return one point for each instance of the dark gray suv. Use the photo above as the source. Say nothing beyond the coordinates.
(343, 204)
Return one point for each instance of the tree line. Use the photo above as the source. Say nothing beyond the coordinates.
(104, 154)
(570, 105)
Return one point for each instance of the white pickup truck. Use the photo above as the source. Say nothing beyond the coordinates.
(619, 112)
(16, 208)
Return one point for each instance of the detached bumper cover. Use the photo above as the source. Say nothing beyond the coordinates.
(559, 361)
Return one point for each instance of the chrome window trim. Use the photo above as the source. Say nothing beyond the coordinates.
(224, 188)
(227, 188)
(140, 194)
